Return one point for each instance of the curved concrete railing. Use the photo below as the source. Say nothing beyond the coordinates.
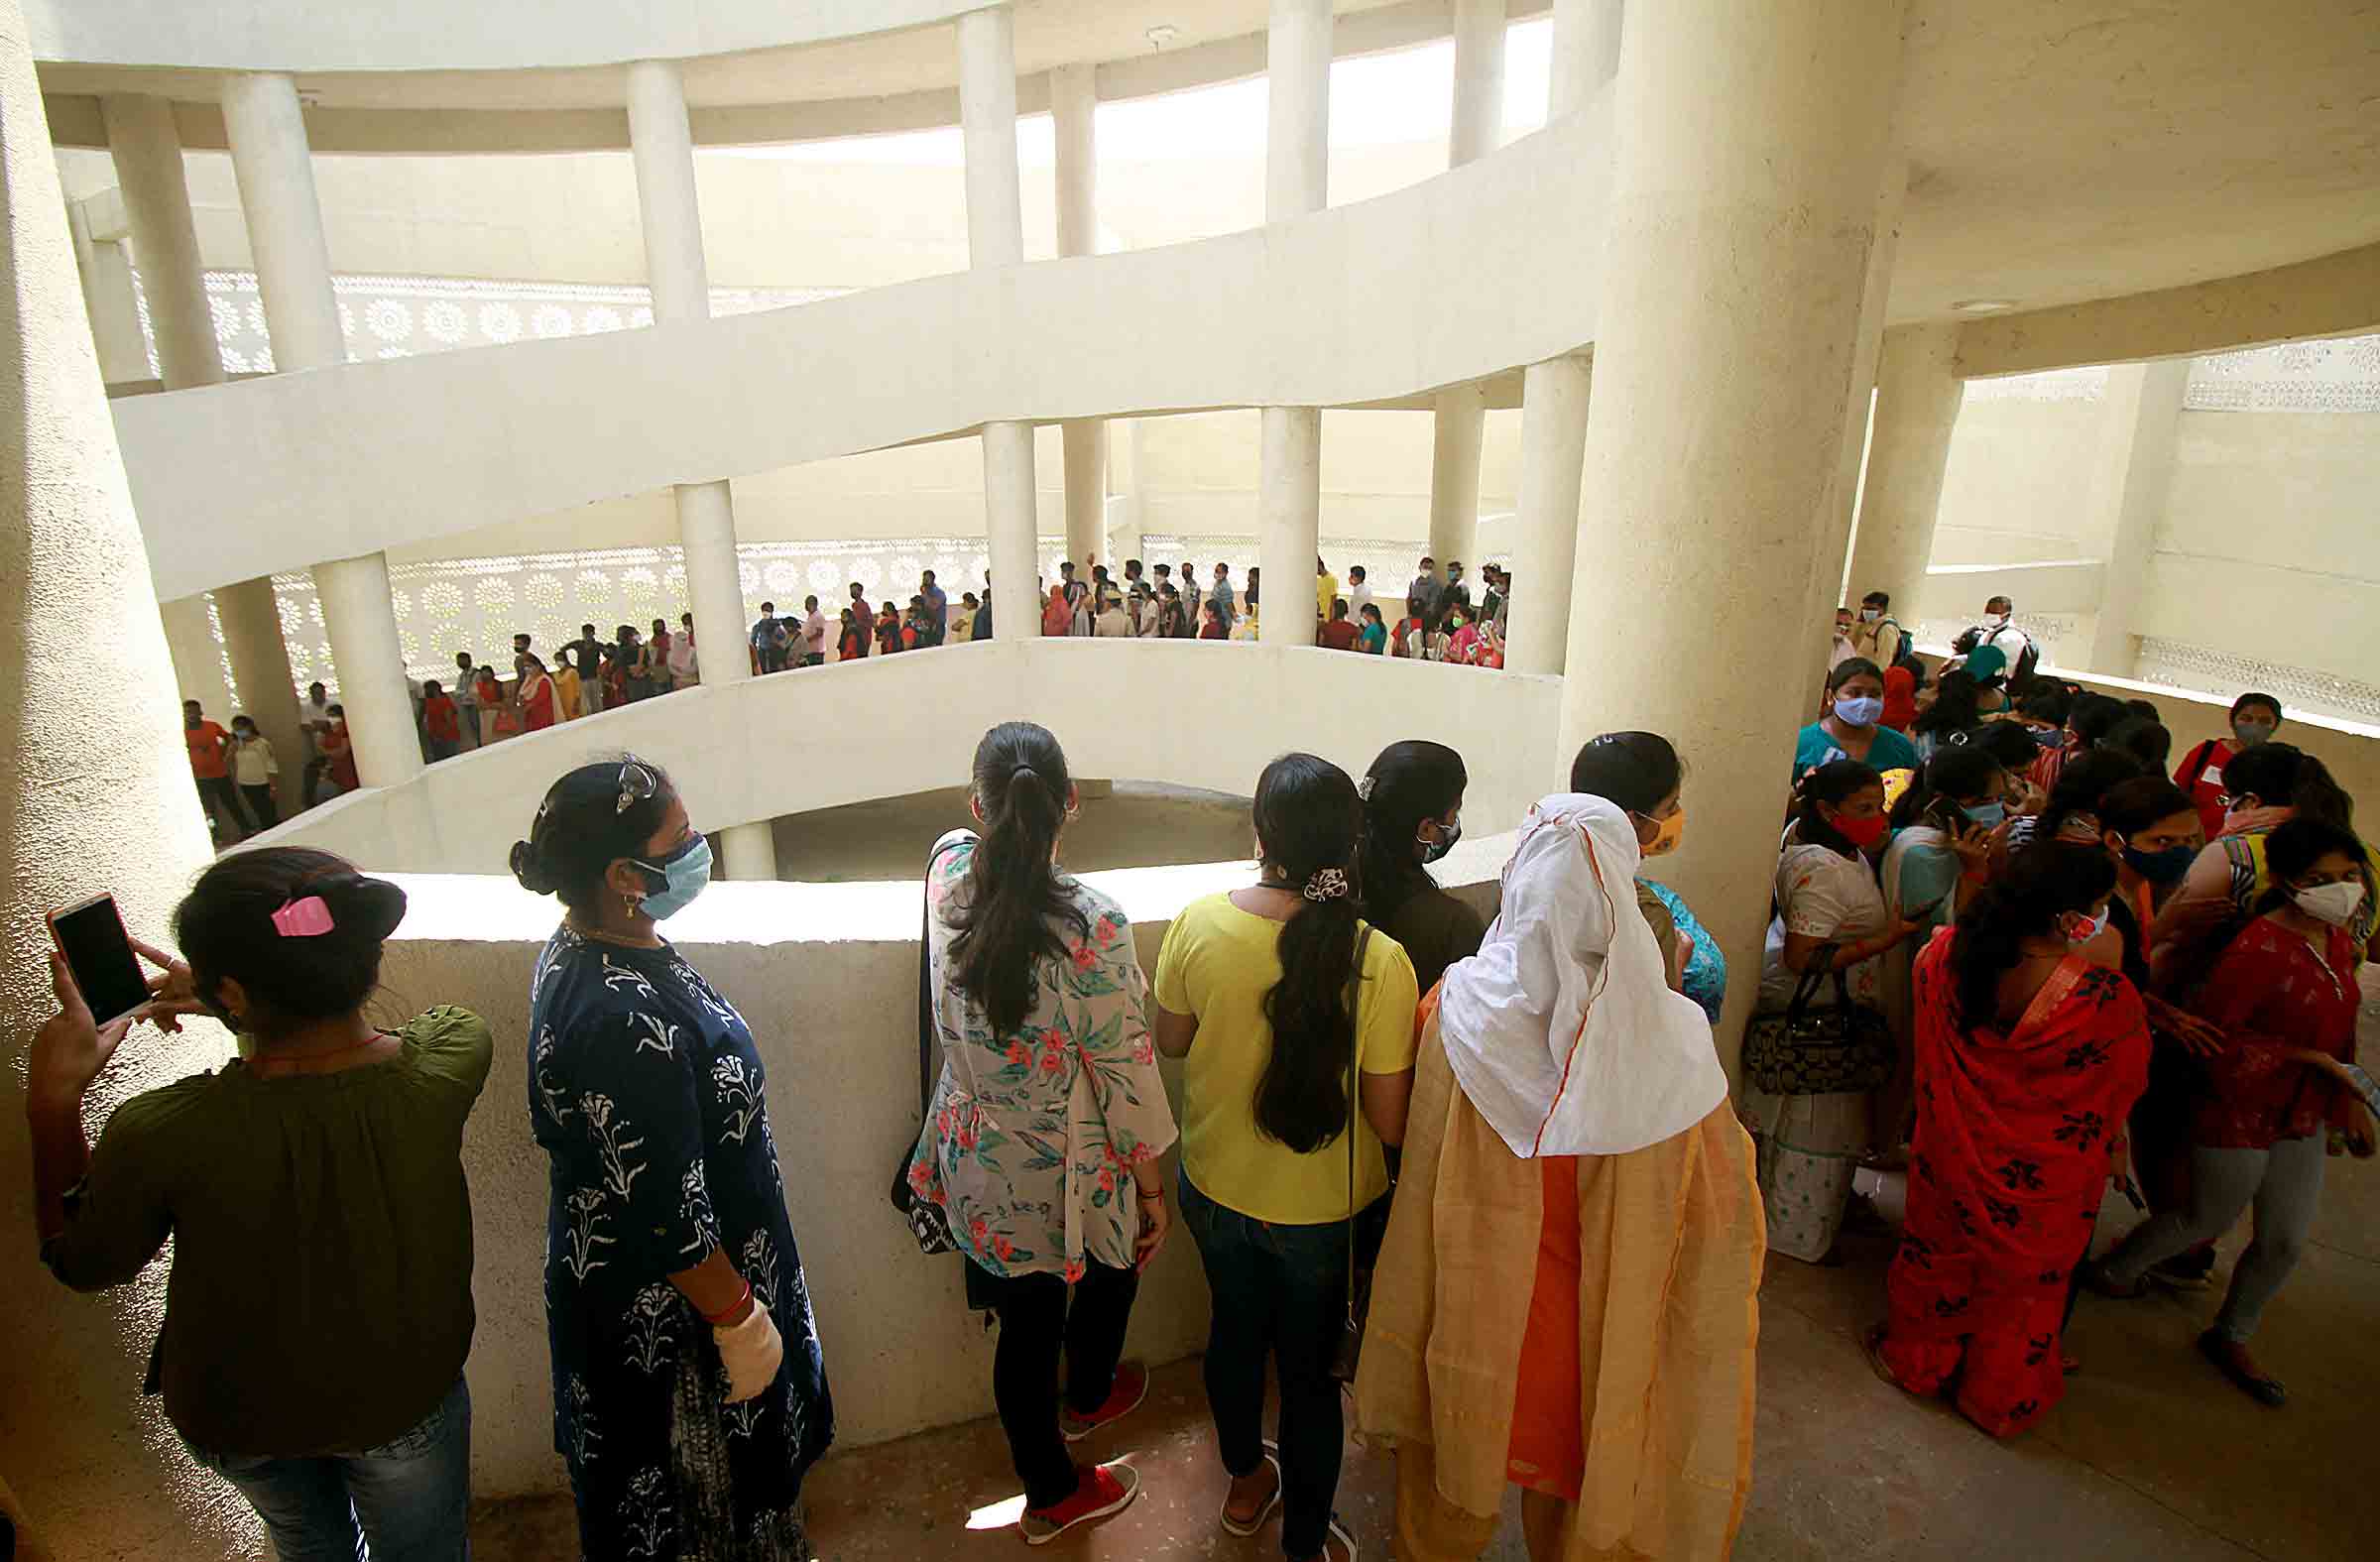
(450, 35)
(1189, 712)
(1360, 303)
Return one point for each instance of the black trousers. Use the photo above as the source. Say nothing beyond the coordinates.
(261, 804)
(1036, 1326)
(217, 793)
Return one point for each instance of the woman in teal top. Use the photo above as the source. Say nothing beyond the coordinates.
(1850, 725)
(1373, 639)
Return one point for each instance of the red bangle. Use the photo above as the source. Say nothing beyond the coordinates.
(719, 1320)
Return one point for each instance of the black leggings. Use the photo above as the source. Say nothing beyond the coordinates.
(1036, 1326)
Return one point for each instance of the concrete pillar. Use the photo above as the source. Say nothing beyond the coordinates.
(1458, 430)
(147, 151)
(266, 128)
(109, 298)
(1478, 106)
(1836, 511)
(1586, 53)
(96, 795)
(1074, 105)
(661, 146)
(1553, 450)
(1908, 447)
(995, 237)
(1750, 144)
(1288, 520)
(1297, 167)
(198, 669)
(2140, 422)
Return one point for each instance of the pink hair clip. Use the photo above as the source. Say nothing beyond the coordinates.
(307, 918)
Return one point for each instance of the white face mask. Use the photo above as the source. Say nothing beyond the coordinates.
(1996, 620)
(2336, 903)
(1870, 615)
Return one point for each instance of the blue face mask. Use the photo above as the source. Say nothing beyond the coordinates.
(1860, 711)
(1988, 814)
(685, 874)
(2050, 737)
(2167, 867)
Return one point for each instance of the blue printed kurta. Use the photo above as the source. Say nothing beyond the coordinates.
(646, 1094)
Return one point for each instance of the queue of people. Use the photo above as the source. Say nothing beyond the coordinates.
(2051, 964)
(2005, 965)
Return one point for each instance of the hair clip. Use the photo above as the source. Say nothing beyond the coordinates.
(1364, 788)
(1325, 884)
(307, 918)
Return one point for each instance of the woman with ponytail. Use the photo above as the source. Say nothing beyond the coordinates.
(1260, 989)
(2029, 1055)
(689, 1388)
(1042, 1140)
(318, 1312)
(1413, 816)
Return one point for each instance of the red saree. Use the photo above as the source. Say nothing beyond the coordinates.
(2015, 1136)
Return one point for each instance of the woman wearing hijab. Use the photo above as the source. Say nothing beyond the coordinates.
(2029, 1055)
(690, 1389)
(1569, 1123)
(1900, 699)
(1057, 614)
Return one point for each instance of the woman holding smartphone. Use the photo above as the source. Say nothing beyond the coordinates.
(1042, 1140)
(320, 1309)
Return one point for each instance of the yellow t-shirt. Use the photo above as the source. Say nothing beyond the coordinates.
(1326, 590)
(1218, 964)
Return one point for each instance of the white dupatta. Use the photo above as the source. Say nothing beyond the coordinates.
(1563, 1029)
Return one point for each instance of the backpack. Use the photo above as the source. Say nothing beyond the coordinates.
(1905, 651)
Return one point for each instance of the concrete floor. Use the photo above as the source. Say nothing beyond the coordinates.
(2151, 1455)
(1127, 824)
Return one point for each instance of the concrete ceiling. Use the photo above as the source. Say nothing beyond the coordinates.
(2061, 150)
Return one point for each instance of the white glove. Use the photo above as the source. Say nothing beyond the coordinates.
(751, 1351)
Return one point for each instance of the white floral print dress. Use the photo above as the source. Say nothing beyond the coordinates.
(1031, 1139)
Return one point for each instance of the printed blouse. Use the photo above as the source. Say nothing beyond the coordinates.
(1033, 1132)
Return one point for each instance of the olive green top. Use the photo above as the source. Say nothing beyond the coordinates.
(321, 1295)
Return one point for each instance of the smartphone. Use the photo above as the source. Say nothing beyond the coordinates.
(1948, 817)
(90, 935)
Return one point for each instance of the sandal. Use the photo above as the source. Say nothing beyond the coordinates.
(2233, 1360)
(1232, 1526)
(2092, 1273)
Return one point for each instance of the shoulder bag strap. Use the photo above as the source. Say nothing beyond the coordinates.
(1814, 974)
(1354, 1105)
(925, 996)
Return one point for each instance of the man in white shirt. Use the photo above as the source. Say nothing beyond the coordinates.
(1999, 629)
(814, 633)
(313, 725)
(1359, 592)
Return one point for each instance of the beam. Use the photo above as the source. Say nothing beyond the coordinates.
(2332, 296)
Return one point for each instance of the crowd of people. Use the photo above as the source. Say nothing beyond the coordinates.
(2008, 962)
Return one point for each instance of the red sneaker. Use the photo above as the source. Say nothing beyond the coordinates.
(1103, 1489)
(1131, 1387)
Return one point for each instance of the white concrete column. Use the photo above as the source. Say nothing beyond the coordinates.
(1840, 502)
(266, 127)
(95, 795)
(1586, 53)
(1288, 520)
(109, 298)
(661, 146)
(995, 237)
(2140, 424)
(1545, 545)
(1297, 169)
(147, 151)
(1074, 106)
(1478, 104)
(1458, 430)
(1751, 143)
(1918, 392)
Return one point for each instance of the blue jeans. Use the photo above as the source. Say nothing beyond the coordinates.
(1279, 1291)
(407, 1500)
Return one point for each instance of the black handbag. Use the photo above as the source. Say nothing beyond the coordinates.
(1366, 1228)
(1843, 1049)
(928, 1221)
